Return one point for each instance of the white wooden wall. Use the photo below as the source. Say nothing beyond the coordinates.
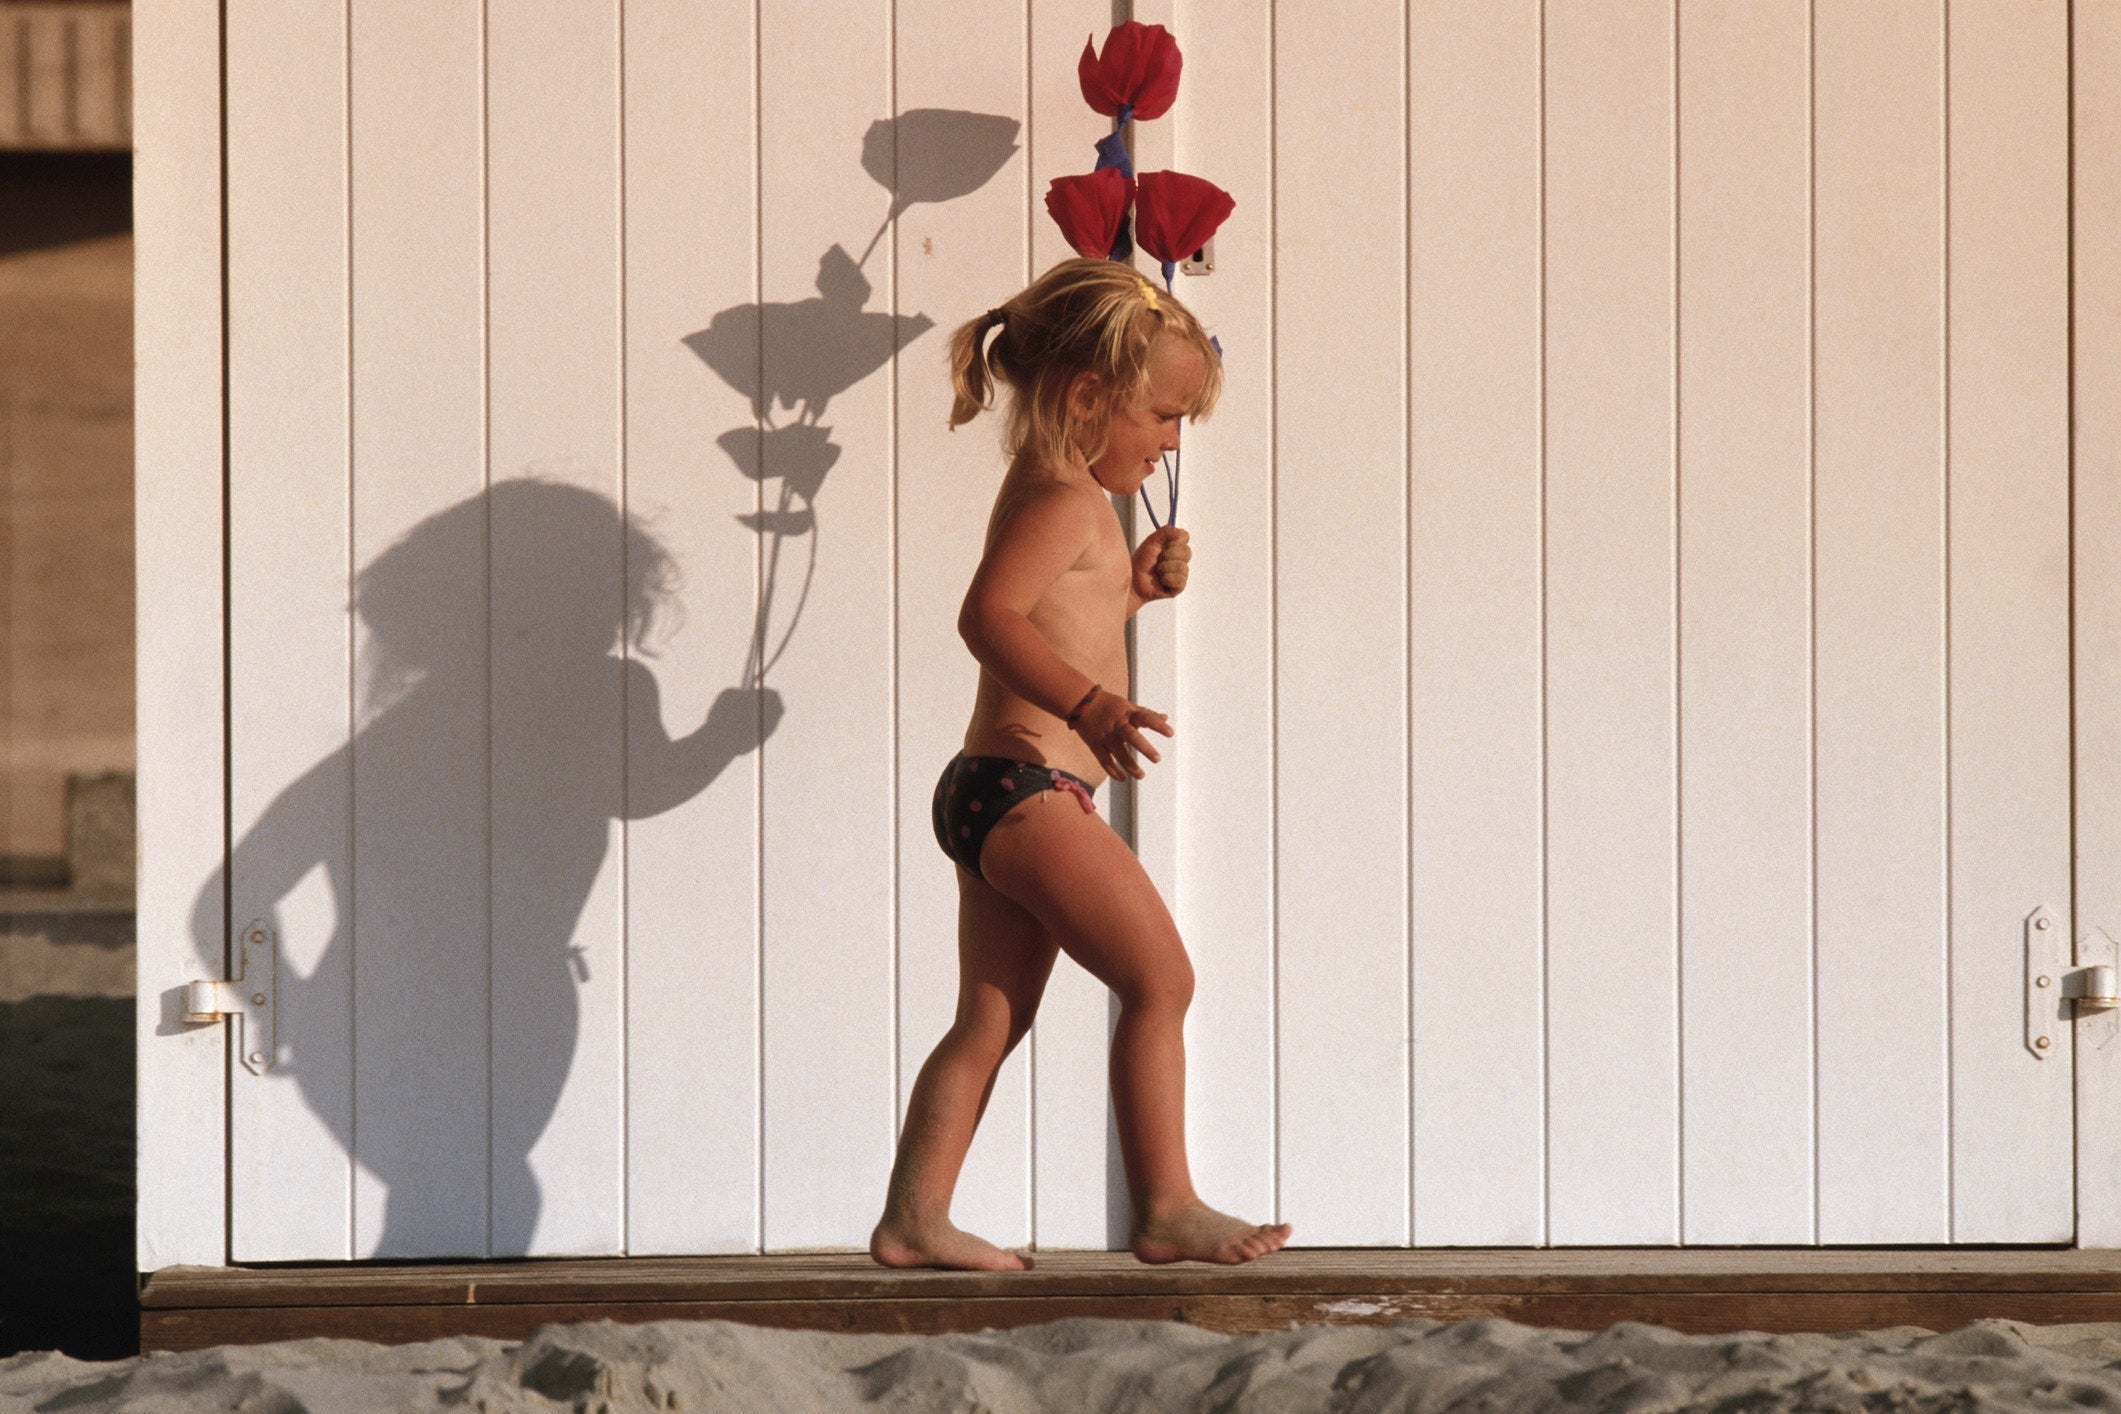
(1626, 684)
(1623, 697)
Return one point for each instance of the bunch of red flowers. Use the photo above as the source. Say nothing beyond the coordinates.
(1174, 214)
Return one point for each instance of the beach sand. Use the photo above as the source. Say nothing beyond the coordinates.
(1495, 1367)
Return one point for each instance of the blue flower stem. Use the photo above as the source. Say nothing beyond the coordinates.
(1149, 509)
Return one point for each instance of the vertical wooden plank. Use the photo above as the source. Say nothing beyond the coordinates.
(828, 833)
(960, 109)
(289, 640)
(1745, 620)
(181, 1168)
(2008, 526)
(1074, 1168)
(1612, 1014)
(2095, 262)
(560, 598)
(1225, 705)
(1475, 571)
(1341, 680)
(419, 914)
(692, 847)
(1878, 548)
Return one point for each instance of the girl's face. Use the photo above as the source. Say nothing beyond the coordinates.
(1141, 432)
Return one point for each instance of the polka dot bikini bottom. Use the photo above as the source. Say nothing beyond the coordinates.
(976, 791)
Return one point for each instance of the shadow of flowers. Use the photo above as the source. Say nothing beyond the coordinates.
(792, 359)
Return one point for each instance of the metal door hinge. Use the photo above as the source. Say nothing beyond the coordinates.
(249, 997)
(2057, 993)
(2093, 991)
(2045, 961)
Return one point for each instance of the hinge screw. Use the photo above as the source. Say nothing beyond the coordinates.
(258, 998)
(2043, 923)
(2043, 982)
(258, 1057)
(2042, 1042)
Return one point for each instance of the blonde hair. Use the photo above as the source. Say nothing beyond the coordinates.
(1083, 316)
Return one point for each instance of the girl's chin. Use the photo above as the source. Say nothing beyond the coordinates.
(1120, 485)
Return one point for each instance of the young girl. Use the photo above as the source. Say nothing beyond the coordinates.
(1100, 367)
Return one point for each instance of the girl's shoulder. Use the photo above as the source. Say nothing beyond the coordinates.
(1028, 486)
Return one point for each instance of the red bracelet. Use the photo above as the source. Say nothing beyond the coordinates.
(1077, 714)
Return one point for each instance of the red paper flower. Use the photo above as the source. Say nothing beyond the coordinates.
(1175, 214)
(1138, 70)
(1088, 209)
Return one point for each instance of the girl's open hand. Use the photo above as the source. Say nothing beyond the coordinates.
(1160, 564)
(1111, 727)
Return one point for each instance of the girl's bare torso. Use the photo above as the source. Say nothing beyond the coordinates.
(1083, 615)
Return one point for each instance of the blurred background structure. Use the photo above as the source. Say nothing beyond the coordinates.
(66, 677)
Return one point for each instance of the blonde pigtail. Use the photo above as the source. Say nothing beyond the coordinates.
(971, 381)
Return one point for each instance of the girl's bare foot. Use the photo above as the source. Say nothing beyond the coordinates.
(1200, 1234)
(939, 1245)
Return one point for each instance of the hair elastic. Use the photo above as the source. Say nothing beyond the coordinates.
(1076, 714)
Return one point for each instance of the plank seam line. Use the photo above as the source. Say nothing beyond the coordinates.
(1274, 599)
(352, 904)
(1944, 310)
(1408, 1051)
(1030, 151)
(227, 607)
(2069, 540)
(1678, 697)
(1546, 957)
(1811, 567)
(486, 528)
(627, 654)
(894, 430)
(758, 570)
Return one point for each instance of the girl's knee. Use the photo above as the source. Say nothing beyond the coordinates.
(1165, 987)
(989, 1027)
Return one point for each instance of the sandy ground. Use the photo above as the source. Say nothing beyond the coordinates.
(1490, 1366)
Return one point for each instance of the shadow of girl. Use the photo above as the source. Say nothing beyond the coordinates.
(462, 832)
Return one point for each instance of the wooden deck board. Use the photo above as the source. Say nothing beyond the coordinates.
(1692, 1289)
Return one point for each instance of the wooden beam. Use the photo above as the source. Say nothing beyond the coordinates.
(1694, 1290)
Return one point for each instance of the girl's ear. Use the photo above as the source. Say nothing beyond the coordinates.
(1084, 402)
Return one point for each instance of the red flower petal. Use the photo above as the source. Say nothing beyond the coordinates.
(1089, 208)
(1175, 214)
(1139, 68)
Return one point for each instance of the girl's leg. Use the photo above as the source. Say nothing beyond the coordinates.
(1078, 879)
(1003, 959)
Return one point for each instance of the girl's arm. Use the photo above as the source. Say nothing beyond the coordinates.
(1034, 547)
